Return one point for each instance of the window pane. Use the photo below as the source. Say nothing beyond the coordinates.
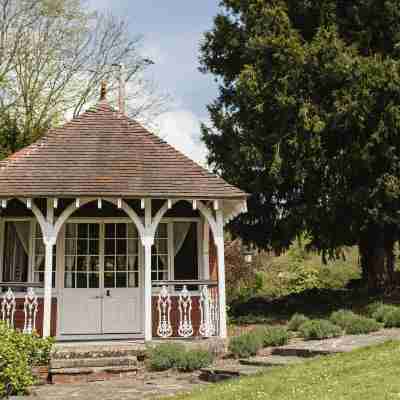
(82, 246)
(81, 280)
(70, 231)
(94, 264)
(38, 231)
(133, 279)
(83, 231)
(162, 246)
(109, 246)
(69, 280)
(69, 263)
(109, 279)
(93, 247)
(39, 263)
(121, 263)
(161, 231)
(39, 246)
(121, 279)
(94, 281)
(132, 231)
(132, 246)
(121, 230)
(39, 276)
(110, 230)
(121, 246)
(81, 263)
(94, 231)
(16, 251)
(132, 263)
(70, 246)
(109, 263)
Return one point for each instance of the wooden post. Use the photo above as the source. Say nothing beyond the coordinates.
(148, 241)
(49, 241)
(219, 241)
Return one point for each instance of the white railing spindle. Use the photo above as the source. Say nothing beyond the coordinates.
(30, 311)
(185, 328)
(8, 306)
(164, 329)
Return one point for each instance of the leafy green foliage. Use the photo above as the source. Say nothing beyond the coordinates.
(165, 356)
(319, 329)
(354, 324)
(296, 321)
(392, 318)
(245, 345)
(382, 311)
(272, 336)
(307, 121)
(18, 353)
(193, 360)
(172, 355)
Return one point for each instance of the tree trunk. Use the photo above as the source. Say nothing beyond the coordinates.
(376, 248)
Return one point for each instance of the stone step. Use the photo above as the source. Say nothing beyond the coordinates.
(303, 352)
(91, 374)
(63, 352)
(271, 361)
(93, 362)
(218, 374)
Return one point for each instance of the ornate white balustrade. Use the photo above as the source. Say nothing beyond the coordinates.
(8, 307)
(180, 309)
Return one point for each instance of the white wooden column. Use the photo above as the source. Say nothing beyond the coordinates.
(148, 242)
(49, 239)
(206, 250)
(219, 241)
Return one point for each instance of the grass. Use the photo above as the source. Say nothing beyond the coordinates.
(368, 374)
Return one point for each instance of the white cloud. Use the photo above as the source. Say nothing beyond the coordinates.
(181, 129)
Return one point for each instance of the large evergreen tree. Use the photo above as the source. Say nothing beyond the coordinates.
(308, 121)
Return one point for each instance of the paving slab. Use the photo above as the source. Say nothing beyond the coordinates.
(147, 386)
(271, 361)
(342, 344)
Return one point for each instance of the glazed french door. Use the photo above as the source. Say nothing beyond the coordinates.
(101, 292)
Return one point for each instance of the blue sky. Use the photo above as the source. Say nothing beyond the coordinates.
(172, 31)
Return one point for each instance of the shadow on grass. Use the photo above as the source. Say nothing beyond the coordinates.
(315, 303)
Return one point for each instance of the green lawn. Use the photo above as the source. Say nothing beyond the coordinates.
(369, 374)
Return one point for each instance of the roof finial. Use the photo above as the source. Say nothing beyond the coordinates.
(103, 90)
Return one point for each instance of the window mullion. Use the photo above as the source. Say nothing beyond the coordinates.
(171, 251)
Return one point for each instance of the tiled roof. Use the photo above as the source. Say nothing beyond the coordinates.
(104, 153)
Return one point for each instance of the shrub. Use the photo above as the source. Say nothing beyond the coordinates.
(382, 311)
(173, 355)
(362, 325)
(251, 319)
(165, 356)
(296, 321)
(392, 318)
(272, 336)
(246, 345)
(372, 308)
(343, 318)
(319, 329)
(194, 360)
(18, 353)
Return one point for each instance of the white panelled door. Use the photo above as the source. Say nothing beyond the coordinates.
(102, 293)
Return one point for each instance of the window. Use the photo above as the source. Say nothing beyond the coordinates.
(185, 251)
(159, 256)
(121, 251)
(16, 251)
(82, 260)
(39, 257)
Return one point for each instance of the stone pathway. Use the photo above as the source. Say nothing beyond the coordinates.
(342, 344)
(147, 386)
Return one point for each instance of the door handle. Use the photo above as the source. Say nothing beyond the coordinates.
(108, 293)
